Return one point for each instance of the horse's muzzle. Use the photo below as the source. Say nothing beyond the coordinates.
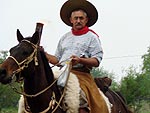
(4, 78)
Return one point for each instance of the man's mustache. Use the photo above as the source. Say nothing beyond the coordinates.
(78, 24)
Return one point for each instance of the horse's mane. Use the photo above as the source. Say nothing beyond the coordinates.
(48, 70)
(49, 73)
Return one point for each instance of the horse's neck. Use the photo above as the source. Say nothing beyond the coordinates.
(35, 83)
(36, 75)
(35, 79)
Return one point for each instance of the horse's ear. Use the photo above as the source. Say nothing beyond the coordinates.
(19, 36)
(35, 38)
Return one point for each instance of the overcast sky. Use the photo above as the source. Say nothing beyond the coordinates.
(123, 27)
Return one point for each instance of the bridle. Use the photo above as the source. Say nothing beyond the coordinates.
(24, 64)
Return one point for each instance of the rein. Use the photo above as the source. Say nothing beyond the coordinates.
(34, 95)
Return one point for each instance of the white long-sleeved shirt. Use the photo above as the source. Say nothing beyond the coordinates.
(88, 44)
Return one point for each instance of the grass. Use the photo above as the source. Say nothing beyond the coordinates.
(9, 110)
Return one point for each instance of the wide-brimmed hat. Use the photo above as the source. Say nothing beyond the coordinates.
(72, 5)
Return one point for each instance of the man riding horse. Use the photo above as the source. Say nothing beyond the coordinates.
(83, 46)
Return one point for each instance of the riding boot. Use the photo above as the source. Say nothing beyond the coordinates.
(83, 110)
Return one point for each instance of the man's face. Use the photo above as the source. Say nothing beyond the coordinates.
(78, 19)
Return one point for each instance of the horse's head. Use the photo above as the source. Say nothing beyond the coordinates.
(103, 83)
(20, 56)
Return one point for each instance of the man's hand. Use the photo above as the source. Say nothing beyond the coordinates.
(91, 62)
(75, 59)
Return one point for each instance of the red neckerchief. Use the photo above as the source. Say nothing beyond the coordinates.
(82, 31)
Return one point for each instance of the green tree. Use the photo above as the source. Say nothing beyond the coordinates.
(146, 62)
(129, 85)
(101, 72)
(146, 73)
(135, 85)
(8, 98)
(3, 55)
(145, 81)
